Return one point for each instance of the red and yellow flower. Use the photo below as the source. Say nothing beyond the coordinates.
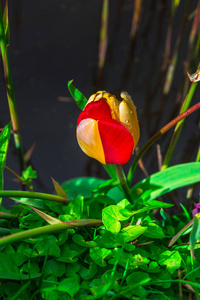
(108, 129)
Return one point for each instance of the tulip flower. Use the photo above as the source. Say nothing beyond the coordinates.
(108, 129)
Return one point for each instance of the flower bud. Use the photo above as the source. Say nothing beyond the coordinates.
(108, 129)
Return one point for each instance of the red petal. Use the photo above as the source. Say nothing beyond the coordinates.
(117, 142)
(95, 110)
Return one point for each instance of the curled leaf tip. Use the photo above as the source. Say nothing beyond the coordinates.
(195, 76)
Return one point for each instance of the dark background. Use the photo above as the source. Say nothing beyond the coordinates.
(54, 41)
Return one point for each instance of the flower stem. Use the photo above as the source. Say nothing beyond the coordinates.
(34, 195)
(122, 179)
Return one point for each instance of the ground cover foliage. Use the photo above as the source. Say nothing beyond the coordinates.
(95, 238)
(99, 244)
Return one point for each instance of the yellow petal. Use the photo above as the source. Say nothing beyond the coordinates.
(128, 116)
(110, 99)
(89, 139)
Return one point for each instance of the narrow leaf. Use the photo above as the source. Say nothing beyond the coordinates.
(175, 238)
(80, 99)
(47, 218)
(166, 181)
(194, 235)
(6, 24)
(59, 190)
(28, 153)
(4, 141)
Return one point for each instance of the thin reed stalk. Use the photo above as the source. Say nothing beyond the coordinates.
(10, 93)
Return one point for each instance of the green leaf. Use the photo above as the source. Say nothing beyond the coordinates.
(29, 173)
(135, 282)
(166, 181)
(88, 274)
(150, 205)
(194, 235)
(59, 190)
(133, 232)
(81, 186)
(70, 253)
(4, 141)
(111, 218)
(111, 171)
(69, 285)
(80, 99)
(54, 267)
(46, 217)
(171, 259)
(98, 255)
(9, 269)
(78, 239)
(154, 231)
(48, 246)
(31, 268)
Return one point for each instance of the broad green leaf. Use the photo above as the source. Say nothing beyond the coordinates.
(78, 239)
(135, 281)
(31, 268)
(88, 274)
(166, 181)
(69, 285)
(80, 99)
(111, 218)
(85, 186)
(171, 259)
(54, 267)
(9, 269)
(70, 254)
(81, 186)
(163, 279)
(72, 269)
(98, 255)
(194, 235)
(133, 232)
(4, 141)
(154, 231)
(48, 246)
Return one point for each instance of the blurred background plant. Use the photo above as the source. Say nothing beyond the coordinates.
(144, 47)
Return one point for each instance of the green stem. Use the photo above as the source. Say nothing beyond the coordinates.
(19, 236)
(122, 179)
(34, 195)
(10, 94)
(156, 136)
